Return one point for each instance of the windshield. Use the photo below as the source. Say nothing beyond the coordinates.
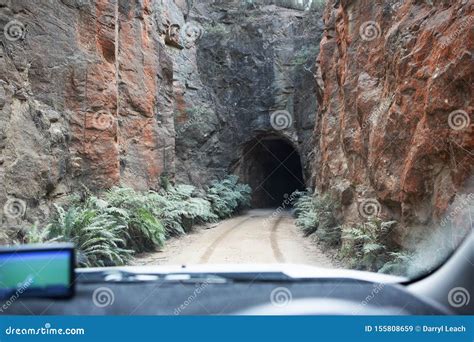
(238, 132)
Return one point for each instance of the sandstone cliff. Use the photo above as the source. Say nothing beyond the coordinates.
(85, 99)
(396, 86)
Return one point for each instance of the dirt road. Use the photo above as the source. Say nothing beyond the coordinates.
(258, 236)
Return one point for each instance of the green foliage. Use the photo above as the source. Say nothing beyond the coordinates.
(98, 235)
(399, 263)
(317, 214)
(301, 4)
(365, 244)
(109, 230)
(180, 208)
(305, 211)
(145, 231)
(35, 235)
(228, 196)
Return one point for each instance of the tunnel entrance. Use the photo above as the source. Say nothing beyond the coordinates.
(272, 167)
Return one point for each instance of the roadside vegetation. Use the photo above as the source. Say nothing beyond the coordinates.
(317, 215)
(110, 228)
(365, 246)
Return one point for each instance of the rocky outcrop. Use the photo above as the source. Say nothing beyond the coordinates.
(395, 133)
(91, 92)
(253, 59)
(86, 99)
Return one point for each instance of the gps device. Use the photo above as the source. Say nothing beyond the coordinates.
(37, 271)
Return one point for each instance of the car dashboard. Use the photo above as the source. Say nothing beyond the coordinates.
(183, 291)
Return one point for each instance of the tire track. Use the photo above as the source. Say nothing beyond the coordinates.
(274, 240)
(210, 250)
(255, 237)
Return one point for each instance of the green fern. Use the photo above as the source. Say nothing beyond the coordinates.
(317, 214)
(179, 208)
(35, 235)
(145, 231)
(228, 196)
(366, 243)
(398, 264)
(97, 236)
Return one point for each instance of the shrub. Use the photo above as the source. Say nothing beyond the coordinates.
(98, 236)
(168, 212)
(228, 196)
(317, 214)
(145, 231)
(399, 263)
(180, 208)
(365, 244)
(35, 235)
(305, 211)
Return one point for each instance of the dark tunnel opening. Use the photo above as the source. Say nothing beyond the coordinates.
(272, 167)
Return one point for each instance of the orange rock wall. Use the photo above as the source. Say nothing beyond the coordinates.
(86, 99)
(124, 130)
(396, 121)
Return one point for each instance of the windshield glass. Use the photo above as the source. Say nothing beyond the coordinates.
(238, 132)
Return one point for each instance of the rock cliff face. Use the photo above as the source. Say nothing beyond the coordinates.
(91, 92)
(85, 99)
(253, 59)
(396, 88)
